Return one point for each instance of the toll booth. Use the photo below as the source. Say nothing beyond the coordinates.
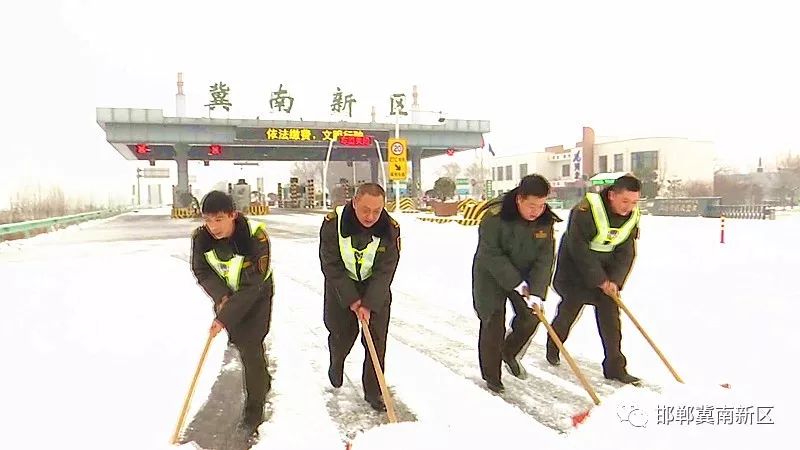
(241, 195)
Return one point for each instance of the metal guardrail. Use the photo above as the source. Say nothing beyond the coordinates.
(759, 212)
(25, 229)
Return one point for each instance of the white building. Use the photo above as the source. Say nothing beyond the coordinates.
(668, 157)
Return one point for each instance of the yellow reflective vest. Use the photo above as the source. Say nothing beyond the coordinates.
(358, 263)
(607, 238)
(231, 270)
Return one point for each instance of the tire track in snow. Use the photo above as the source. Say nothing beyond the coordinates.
(216, 423)
(345, 407)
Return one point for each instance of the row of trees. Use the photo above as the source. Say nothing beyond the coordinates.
(783, 187)
(40, 202)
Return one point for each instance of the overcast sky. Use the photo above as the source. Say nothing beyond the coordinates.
(725, 71)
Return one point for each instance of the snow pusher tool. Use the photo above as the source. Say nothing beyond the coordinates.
(650, 341)
(187, 401)
(387, 398)
(647, 337)
(580, 417)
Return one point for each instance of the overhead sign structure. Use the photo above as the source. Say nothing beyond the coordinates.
(311, 136)
(398, 159)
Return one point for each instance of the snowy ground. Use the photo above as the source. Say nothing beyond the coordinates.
(107, 324)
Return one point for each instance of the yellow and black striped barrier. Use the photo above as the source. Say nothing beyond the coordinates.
(473, 214)
(469, 222)
(466, 203)
(406, 206)
(437, 219)
(185, 213)
(258, 210)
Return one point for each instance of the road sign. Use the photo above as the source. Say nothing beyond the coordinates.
(398, 159)
(154, 172)
(462, 186)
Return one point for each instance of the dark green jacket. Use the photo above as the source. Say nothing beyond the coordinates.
(243, 314)
(580, 270)
(510, 250)
(374, 292)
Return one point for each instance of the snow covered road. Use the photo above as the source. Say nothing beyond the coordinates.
(108, 323)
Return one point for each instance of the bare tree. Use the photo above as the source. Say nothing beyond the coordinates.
(674, 188)
(650, 181)
(697, 188)
(477, 177)
(450, 170)
(305, 171)
(787, 188)
(41, 202)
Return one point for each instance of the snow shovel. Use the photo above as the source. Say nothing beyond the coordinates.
(387, 398)
(653, 344)
(187, 401)
(647, 337)
(540, 315)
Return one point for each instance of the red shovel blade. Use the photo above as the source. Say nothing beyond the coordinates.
(578, 419)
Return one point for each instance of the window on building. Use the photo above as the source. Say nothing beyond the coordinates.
(604, 163)
(494, 174)
(499, 174)
(641, 161)
(565, 170)
(509, 175)
(523, 170)
(618, 162)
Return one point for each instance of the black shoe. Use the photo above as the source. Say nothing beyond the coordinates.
(496, 386)
(253, 416)
(376, 403)
(515, 368)
(553, 358)
(625, 378)
(250, 433)
(336, 375)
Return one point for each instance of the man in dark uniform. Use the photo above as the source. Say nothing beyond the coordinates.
(514, 261)
(359, 250)
(231, 261)
(594, 259)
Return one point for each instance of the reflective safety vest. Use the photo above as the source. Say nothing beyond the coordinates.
(231, 270)
(607, 238)
(358, 263)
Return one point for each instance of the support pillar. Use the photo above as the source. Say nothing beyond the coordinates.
(416, 172)
(183, 198)
(374, 169)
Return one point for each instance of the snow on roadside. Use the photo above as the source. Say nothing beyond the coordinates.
(452, 412)
(300, 417)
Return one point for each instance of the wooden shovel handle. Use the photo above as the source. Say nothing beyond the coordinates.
(387, 398)
(187, 401)
(540, 314)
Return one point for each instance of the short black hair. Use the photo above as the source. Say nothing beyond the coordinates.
(373, 189)
(217, 202)
(535, 185)
(627, 183)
